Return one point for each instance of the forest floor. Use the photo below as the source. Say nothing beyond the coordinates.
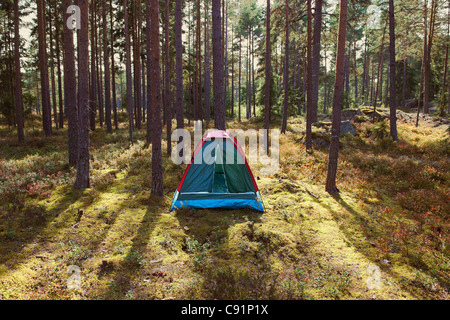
(390, 219)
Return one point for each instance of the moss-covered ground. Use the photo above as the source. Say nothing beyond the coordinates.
(391, 216)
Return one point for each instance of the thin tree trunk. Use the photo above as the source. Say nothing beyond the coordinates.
(179, 64)
(405, 65)
(253, 77)
(347, 79)
(82, 178)
(316, 58)
(392, 100)
(248, 79)
(113, 68)
(45, 90)
(380, 70)
(17, 75)
(207, 67)
(98, 58)
(309, 107)
(232, 73)
(365, 71)
(137, 62)
(427, 70)
(330, 185)
(70, 90)
(225, 50)
(107, 73)
(189, 60)
(154, 69)
(219, 108)
(355, 72)
(325, 97)
(267, 79)
(58, 62)
(240, 70)
(286, 70)
(93, 90)
(168, 103)
(52, 70)
(128, 75)
(424, 63)
(144, 94)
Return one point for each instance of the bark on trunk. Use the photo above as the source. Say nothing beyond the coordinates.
(128, 75)
(316, 58)
(70, 91)
(309, 106)
(268, 80)
(330, 185)
(179, 64)
(107, 73)
(392, 99)
(17, 75)
(82, 179)
(43, 67)
(154, 69)
(219, 107)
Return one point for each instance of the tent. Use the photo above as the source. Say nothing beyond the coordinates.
(218, 176)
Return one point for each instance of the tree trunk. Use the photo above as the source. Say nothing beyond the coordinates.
(347, 79)
(207, 67)
(424, 64)
(267, 79)
(253, 77)
(93, 90)
(325, 97)
(58, 62)
(330, 185)
(316, 58)
(197, 73)
(98, 57)
(179, 64)
(240, 70)
(309, 106)
(286, 69)
(427, 70)
(52, 70)
(45, 90)
(70, 89)
(379, 77)
(355, 72)
(107, 73)
(405, 64)
(17, 75)
(225, 57)
(128, 75)
(219, 108)
(168, 103)
(137, 62)
(154, 70)
(82, 179)
(392, 100)
(113, 68)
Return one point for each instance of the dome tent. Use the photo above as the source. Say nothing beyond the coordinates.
(218, 176)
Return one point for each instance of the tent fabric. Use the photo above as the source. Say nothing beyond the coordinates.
(218, 176)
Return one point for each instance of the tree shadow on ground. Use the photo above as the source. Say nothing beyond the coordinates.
(31, 224)
(232, 252)
(131, 269)
(416, 261)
